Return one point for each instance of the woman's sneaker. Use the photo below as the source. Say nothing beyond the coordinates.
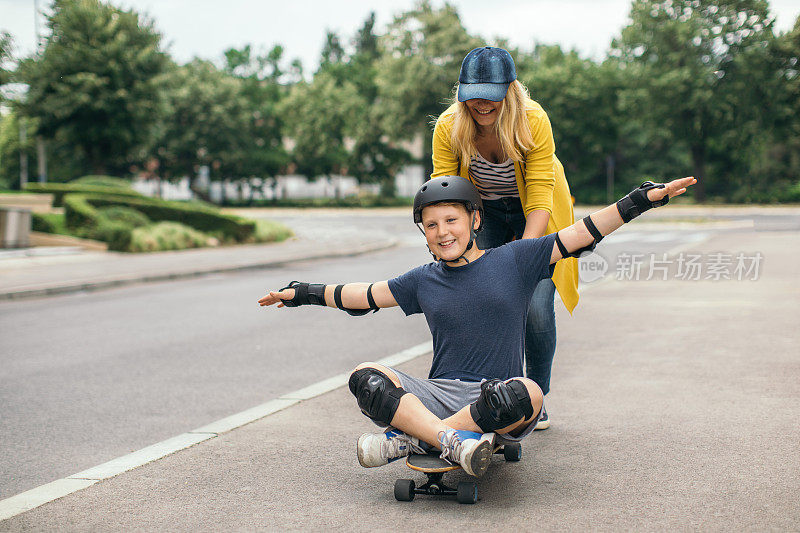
(473, 451)
(378, 449)
(544, 421)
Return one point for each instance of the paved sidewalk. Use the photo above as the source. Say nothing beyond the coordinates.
(674, 406)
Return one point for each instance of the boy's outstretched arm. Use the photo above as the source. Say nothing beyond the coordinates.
(352, 296)
(579, 237)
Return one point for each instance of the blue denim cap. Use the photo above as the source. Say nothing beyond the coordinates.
(486, 73)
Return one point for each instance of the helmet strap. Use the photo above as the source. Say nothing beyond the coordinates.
(471, 240)
(419, 227)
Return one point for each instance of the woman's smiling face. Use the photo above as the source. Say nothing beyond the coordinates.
(484, 112)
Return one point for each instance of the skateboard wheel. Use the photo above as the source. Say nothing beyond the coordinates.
(404, 490)
(467, 492)
(512, 451)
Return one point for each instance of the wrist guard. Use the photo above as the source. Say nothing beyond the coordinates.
(305, 294)
(635, 202)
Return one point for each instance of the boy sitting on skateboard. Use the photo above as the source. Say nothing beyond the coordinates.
(475, 303)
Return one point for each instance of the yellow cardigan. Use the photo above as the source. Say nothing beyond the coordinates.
(540, 180)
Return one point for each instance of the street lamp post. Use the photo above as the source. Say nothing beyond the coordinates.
(23, 155)
(41, 152)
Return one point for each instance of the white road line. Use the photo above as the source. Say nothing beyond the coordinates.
(142, 457)
(33, 498)
(38, 496)
(245, 417)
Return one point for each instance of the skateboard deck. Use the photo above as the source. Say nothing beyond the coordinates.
(430, 463)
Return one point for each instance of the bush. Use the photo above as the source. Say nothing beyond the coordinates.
(116, 234)
(59, 190)
(269, 231)
(125, 215)
(228, 228)
(49, 223)
(83, 220)
(165, 236)
(78, 213)
(117, 220)
(791, 194)
(103, 181)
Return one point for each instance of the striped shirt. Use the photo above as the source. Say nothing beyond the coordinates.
(493, 180)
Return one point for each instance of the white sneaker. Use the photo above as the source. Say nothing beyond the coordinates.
(544, 421)
(473, 451)
(378, 449)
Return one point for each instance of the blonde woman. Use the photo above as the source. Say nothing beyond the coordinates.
(498, 138)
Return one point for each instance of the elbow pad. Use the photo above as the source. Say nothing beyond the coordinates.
(337, 298)
(589, 247)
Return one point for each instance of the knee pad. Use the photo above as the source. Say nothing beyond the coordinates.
(501, 404)
(376, 395)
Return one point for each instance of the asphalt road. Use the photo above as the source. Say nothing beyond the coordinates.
(89, 377)
(674, 407)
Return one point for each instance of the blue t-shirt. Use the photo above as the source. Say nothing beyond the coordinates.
(477, 312)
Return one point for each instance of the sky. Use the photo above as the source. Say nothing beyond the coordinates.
(205, 28)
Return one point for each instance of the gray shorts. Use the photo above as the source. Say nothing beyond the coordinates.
(445, 397)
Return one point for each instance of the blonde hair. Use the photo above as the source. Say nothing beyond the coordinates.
(511, 127)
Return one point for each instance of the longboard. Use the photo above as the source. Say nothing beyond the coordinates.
(435, 467)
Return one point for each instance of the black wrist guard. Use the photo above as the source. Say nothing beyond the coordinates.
(636, 202)
(305, 294)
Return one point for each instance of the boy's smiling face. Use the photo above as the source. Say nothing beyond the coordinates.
(446, 227)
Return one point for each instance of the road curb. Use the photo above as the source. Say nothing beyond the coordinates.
(81, 286)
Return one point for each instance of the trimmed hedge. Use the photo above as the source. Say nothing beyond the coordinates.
(103, 181)
(49, 223)
(166, 236)
(85, 221)
(81, 211)
(59, 190)
(126, 215)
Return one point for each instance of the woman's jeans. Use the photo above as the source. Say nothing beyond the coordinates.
(502, 221)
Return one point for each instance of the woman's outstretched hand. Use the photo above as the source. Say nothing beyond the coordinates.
(276, 297)
(673, 188)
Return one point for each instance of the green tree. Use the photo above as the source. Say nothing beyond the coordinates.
(335, 122)
(581, 98)
(784, 154)
(6, 45)
(684, 56)
(374, 157)
(97, 83)
(262, 89)
(317, 117)
(422, 53)
(209, 123)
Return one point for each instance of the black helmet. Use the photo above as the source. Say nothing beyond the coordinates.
(447, 189)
